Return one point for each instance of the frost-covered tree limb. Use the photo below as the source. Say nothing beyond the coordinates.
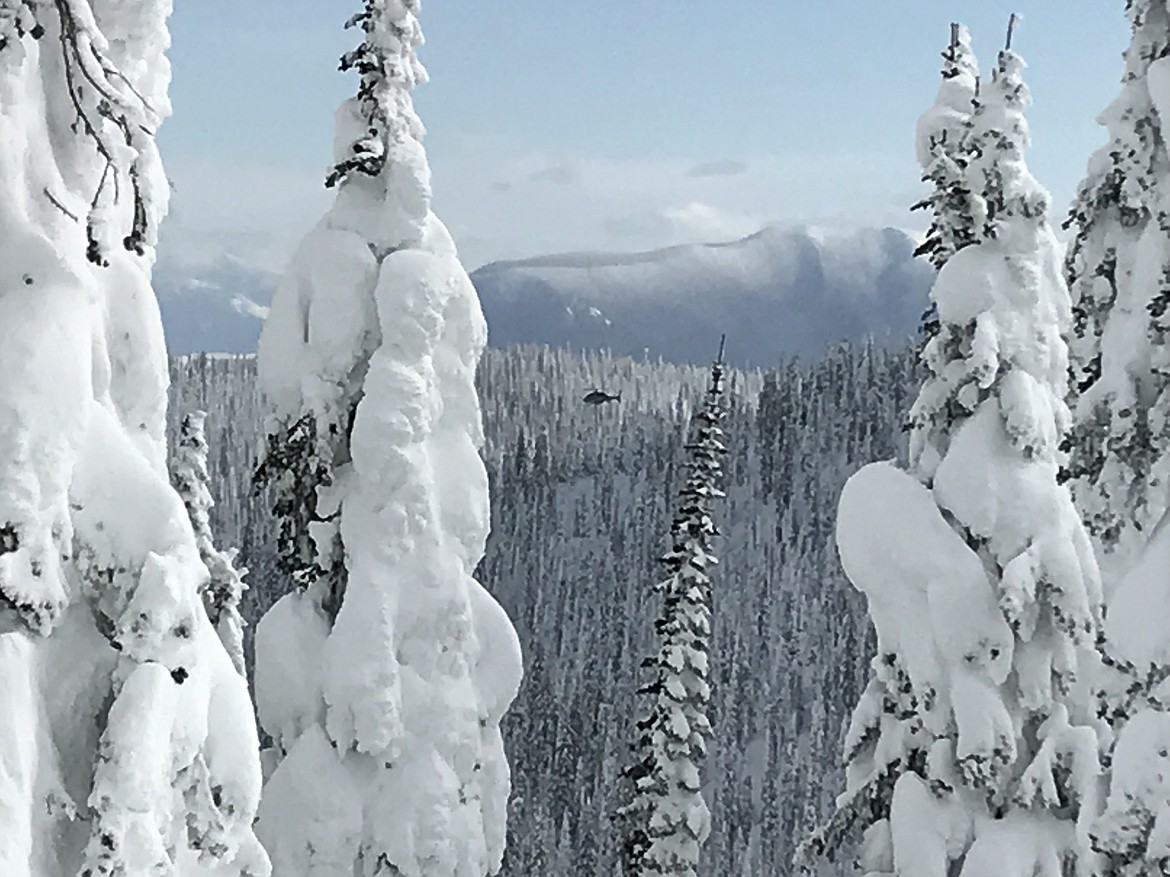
(389, 70)
(111, 116)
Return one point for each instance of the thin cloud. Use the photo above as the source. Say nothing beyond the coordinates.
(723, 168)
(693, 222)
(564, 174)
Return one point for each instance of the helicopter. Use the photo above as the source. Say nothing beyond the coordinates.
(600, 397)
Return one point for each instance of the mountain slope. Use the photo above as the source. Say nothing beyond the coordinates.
(779, 292)
(775, 293)
(218, 307)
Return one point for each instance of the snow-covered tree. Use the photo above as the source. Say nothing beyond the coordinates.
(666, 821)
(975, 747)
(1118, 267)
(383, 677)
(1118, 270)
(957, 213)
(126, 734)
(225, 586)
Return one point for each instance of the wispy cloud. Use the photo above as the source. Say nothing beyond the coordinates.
(692, 222)
(502, 201)
(256, 212)
(722, 168)
(563, 174)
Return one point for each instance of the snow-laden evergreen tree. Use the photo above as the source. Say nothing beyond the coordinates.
(126, 735)
(1118, 269)
(974, 750)
(382, 678)
(225, 585)
(666, 821)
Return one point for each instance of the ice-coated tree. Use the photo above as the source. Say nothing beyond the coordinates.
(1118, 270)
(225, 585)
(383, 676)
(666, 819)
(126, 734)
(974, 750)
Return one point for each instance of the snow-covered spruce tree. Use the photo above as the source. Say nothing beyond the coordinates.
(382, 678)
(666, 820)
(224, 587)
(974, 750)
(126, 735)
(1118, 270)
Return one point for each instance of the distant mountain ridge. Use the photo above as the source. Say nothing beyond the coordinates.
(776, 293)
(217, 308)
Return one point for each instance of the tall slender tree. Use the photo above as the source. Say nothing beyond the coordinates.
(975, 748)
(666, 821)
(126, 734)
(383, 677)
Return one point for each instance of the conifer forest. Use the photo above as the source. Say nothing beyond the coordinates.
(697, 554)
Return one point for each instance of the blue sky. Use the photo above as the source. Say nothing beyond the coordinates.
(569, 125)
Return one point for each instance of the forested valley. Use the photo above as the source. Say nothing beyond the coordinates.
(581, 498)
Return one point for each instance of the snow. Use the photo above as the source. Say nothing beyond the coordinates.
(1138, 807)
(1134, 624)
(929, 594)
(1158, 83)
(289, 642)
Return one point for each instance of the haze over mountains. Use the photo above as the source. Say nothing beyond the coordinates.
(778, 292)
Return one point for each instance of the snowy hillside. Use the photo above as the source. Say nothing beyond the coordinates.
(775, 293)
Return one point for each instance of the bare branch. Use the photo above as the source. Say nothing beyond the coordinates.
(1011, 28)
(56, 203)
